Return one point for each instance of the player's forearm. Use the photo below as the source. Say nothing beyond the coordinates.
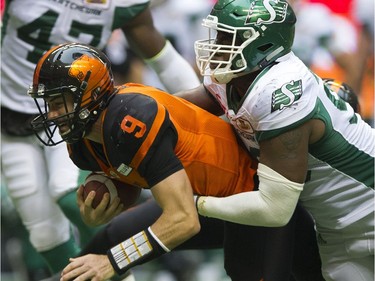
(272, 205)
(175, 229)
(173, 70)
(177, 223)
(179, 220)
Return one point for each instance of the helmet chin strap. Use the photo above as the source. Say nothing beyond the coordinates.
(224, 78)
(270, 58)
(87, 123)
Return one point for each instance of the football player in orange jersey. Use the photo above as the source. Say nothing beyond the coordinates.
(32, 173)
(150, 139)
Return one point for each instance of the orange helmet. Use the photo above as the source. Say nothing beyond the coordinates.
(71, 69)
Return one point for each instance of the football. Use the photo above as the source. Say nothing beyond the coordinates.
(102, 184)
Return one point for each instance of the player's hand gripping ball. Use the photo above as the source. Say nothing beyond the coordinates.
(102, 184)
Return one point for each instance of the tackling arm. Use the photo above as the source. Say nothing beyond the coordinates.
(272, 205)
(282, 171)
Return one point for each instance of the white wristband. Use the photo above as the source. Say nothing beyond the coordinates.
(165, 248)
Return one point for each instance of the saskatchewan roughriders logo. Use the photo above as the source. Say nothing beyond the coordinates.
(266, 12)
(286, 95)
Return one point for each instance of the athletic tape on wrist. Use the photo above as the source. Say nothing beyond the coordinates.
(138, 249)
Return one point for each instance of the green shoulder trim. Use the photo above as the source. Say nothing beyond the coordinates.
(265, 135)
(319, 112)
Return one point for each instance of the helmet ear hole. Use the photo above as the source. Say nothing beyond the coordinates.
(265, 47)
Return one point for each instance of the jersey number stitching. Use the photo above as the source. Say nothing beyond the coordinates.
(132, 125)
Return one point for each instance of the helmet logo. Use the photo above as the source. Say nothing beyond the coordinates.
(80, 67)
(262, 12)
(286, 95)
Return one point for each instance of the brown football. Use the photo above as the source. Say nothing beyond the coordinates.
(102, 184)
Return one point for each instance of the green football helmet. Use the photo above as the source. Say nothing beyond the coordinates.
(244, 36)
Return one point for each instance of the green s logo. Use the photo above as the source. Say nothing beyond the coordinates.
(286, 95)
(263, 12)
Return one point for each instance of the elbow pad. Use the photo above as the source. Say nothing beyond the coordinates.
(272, 205)
(173, 70)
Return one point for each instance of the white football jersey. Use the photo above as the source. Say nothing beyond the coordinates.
(341, 164)
(35, 22)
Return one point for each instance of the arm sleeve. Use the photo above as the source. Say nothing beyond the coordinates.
(272, 205)
(173, 70)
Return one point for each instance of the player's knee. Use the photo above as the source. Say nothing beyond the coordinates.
(49, 234)
(21, 187)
